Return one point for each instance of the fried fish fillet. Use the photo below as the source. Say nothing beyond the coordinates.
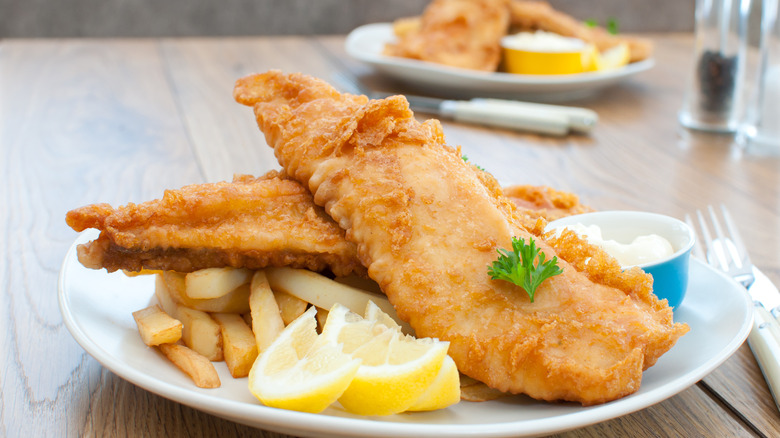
(251, 223)
(427, 227)
(535, 202)
(458, 33)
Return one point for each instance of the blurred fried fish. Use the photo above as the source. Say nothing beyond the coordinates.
(458, 33)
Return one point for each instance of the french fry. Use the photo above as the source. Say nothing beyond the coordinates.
(237, 301)
(322, 317)
(215, 282)
(479, 392)
(193, 364)
(267, 321)
(238, 343)
(324, 292)
(157, 327)
(201, 333)
(168, 304)
(290, 307)
(361, 283)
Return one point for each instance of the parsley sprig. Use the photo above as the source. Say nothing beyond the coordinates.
(518, 266)
(612, 25)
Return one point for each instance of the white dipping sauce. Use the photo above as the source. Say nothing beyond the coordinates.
(643, 249)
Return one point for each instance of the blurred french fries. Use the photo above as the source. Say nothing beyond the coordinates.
(215, 282)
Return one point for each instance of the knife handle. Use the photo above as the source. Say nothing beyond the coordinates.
(521, 119)
(766, 348)
(580, 119)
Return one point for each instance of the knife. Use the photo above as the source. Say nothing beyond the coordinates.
(764, 338)
(546, 119)
(522, 116)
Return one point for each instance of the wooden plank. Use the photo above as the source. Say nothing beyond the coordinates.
(740, 384)
(224, 133)
(84, 122)
(691, 413)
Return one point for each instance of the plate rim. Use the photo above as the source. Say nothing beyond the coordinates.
(358, 35)
(299, 422)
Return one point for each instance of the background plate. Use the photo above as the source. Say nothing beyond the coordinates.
(96, 307)
(366, 44)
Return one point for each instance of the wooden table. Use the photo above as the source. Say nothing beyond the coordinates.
(117, 121)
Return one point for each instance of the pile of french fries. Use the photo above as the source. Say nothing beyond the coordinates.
(231, 314)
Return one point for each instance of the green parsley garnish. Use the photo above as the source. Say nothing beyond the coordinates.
(518, 266)
(612, 26)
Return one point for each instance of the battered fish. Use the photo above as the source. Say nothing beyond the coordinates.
(535, 202)
(251, 223)
(427, 227)
(458, 33)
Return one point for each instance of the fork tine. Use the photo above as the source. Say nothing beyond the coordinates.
(698, 252)
(721, 248)
(713, 257)
(739, 245)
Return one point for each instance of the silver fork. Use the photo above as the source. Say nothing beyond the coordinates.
(727, 252)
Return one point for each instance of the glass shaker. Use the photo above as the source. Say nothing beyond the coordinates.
(714, 98)
(760, 133)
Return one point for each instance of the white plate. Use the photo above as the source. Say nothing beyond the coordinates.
(366, 44)
(97, 307)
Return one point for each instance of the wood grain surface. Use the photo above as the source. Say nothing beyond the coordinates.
(117, 121)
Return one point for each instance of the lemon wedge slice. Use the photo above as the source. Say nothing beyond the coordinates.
(443, 392)
(396, 369)
(590, 56)
(613, 58)
(300, 371)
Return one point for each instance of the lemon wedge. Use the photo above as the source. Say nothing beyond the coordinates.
(590, 57)
(613, 58)
(443, 392)
(300, 371)
(396, 369)
(545, 53)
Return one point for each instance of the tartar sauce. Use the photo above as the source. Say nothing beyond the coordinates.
(643, 249)
(541, 41)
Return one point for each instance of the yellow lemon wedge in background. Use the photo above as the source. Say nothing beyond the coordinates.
(546, 53)
(613, 58)
(396, 369)
(301, 372)
(590, 57)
